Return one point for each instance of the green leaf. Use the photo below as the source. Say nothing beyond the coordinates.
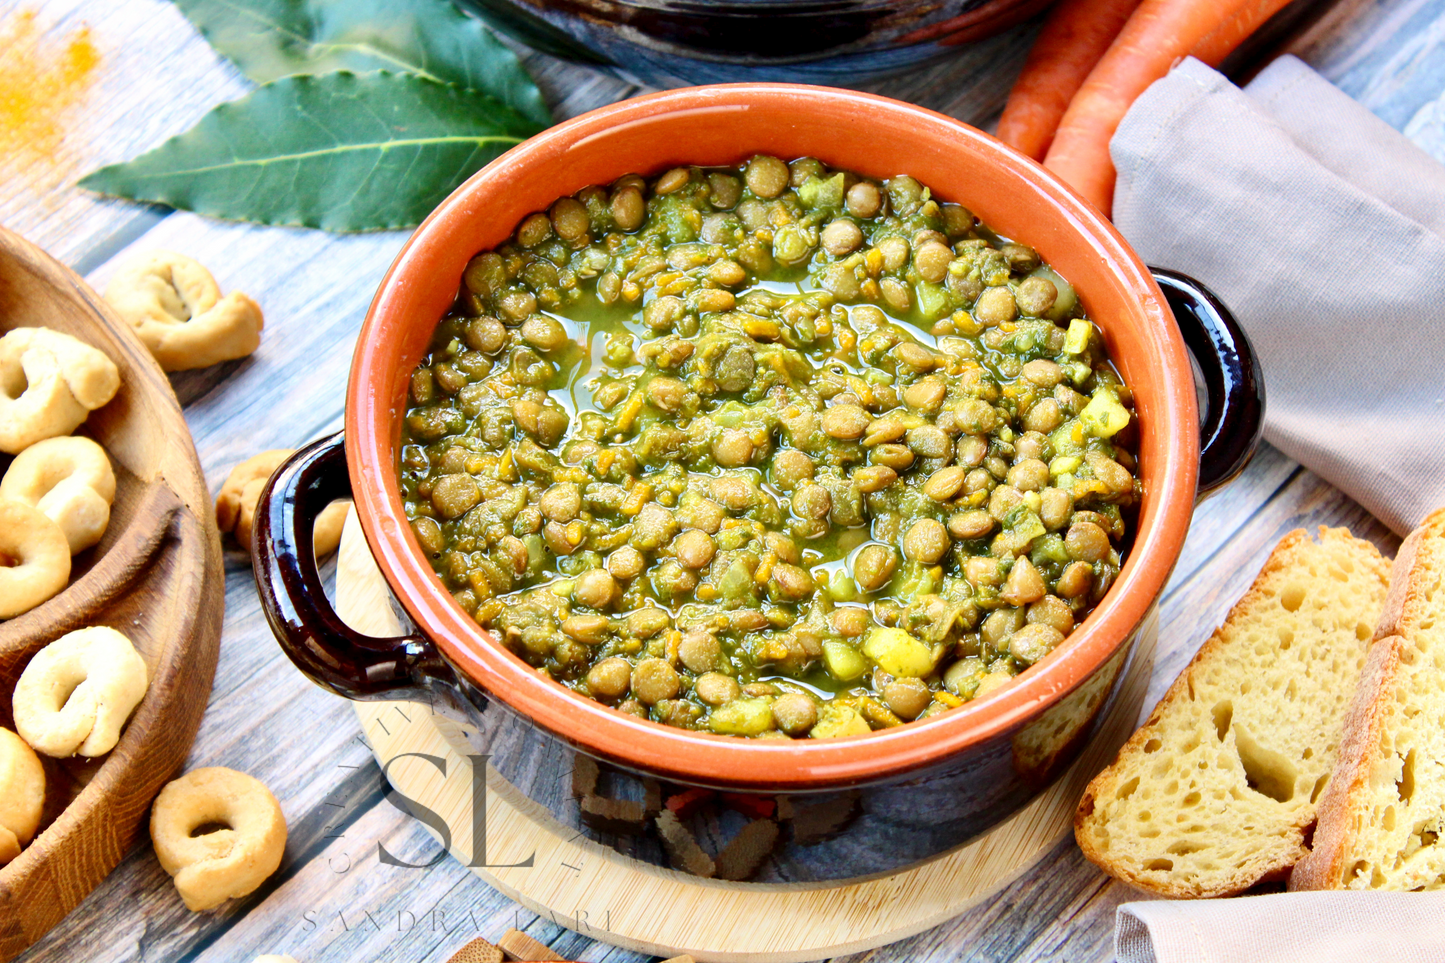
(339, 151)
(271, 39)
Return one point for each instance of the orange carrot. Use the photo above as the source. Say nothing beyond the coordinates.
(1159, 33)
(1072, 40)
(1235, 29)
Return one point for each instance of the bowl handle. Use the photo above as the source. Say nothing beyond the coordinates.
(1233, 382)
(326, 649)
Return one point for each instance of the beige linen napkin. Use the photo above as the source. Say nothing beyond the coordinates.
(1323, 229)
(1285, 928)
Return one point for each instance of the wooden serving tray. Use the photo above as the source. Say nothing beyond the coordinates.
(156, 577)
(604, 895)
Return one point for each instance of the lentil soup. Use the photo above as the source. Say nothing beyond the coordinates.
(771, 451)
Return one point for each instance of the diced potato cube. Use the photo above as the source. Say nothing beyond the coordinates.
(898, 653)
(1103, 416)
(742, 717)
(839, 721)
(1078, 337)
(1064, 465)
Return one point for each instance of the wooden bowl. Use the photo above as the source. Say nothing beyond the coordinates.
(156, 577)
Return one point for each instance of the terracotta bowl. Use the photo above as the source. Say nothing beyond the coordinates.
(985, 758)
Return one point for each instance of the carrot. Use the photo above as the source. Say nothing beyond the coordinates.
(1072, 40)
(1235, 29)
(1157, 34)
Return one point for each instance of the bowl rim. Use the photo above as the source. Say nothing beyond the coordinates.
(373, 427)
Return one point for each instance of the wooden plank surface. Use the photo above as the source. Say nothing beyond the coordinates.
(333, 900)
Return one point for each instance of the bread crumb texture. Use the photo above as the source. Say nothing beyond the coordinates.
(1399, 816)
(1217, 789)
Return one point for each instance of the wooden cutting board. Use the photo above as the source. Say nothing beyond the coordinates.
(156, 577)
(603, 894)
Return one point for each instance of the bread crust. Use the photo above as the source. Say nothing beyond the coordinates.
(1216, 647)
(1324, 866)
(1401, 588)
(1328, 864)
(1394, 611)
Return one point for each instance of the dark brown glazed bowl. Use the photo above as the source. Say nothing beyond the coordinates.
(957, 773)
(666, 43)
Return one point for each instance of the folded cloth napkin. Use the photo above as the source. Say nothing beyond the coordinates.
(1285, 928)
(1323, 229)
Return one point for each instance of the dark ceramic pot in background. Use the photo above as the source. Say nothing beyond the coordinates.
(667, 43)
(910, 792)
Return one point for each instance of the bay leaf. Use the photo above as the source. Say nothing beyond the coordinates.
(271, 39)
(337, 151)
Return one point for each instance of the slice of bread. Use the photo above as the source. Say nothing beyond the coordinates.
(1381, 819)
(1216, 791)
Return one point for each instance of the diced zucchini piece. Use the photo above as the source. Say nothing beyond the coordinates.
(819, 193)
(742, 717)
(1065, 300)
(1103, 416)
(1050, 548)
(536, 553)
(932, 300)
(915, 580)
(736, 582)
(672, 213)
(730, 415)
(1068, 439)
(1026, 525)
(841, 587)
(898, 652)
(1077, 340)
(843, 661)
(837, 721)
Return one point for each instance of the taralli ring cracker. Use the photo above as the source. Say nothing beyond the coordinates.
(176, 308)
(77, 693)
(214, 867)
(34, 558)
(70, 480)
(236, 503)
(49, 383)
(22, 795)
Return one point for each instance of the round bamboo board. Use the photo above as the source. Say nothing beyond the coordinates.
(156, 576)
(603, 894)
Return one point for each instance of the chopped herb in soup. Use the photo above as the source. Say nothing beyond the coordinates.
(773, 451)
